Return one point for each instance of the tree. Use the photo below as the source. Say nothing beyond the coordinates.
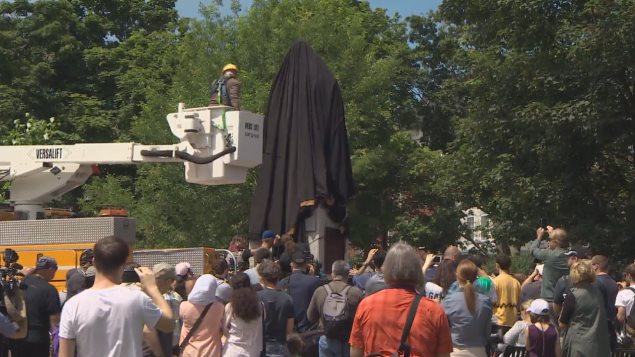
(548, 128)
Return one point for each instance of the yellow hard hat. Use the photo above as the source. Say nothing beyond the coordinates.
(230, 67)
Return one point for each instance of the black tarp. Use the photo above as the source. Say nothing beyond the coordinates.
(306, 159)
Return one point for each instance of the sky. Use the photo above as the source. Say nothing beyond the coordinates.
(189, 8)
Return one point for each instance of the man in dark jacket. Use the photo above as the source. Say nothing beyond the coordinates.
(228, 87)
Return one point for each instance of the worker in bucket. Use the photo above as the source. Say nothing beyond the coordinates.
(226, 89)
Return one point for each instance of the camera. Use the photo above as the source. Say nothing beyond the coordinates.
(9, 283)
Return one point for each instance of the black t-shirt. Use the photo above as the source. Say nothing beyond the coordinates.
(279, 309)
(610, 288)
(301, 287)
(42, 301)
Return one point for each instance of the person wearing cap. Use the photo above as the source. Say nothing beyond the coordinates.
(165, 275)
(555, 262)
(542, 336)
(76, 278)
(301, 287)
(583, 315)
(43, 310)
(108, 319)
(564, 284)
(226, 89)
(267, 239)
(185, 279)
(335, 343)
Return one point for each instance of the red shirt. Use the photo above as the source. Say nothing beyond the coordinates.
(381, 317)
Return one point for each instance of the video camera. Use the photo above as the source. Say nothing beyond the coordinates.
(9, 283)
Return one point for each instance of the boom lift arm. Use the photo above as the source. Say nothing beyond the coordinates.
(217, 147)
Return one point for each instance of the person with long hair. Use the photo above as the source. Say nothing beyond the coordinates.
(243, 320)
(469, 313)
(444, 276)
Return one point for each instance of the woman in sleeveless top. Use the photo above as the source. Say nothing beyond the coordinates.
(542, 336)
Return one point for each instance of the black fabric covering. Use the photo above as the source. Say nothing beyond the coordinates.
(305, 154)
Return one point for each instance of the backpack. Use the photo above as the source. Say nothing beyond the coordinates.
(337, 321)
(220, 85)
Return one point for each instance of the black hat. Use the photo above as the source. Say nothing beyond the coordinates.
(298, 257)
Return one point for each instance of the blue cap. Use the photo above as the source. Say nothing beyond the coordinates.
(268, 234)
(45, 262)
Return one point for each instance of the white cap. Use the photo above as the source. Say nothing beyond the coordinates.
(539, 307)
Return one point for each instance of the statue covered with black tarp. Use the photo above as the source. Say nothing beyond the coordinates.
(306, 160)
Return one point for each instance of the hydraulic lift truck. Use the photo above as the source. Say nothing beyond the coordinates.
(217, 146)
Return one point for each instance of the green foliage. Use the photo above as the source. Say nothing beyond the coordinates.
(523, 109)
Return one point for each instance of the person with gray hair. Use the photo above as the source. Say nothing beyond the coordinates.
(334, 306)
(375, 332)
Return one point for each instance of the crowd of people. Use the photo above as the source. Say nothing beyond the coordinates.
(277, 303)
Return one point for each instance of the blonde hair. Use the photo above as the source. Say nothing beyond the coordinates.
(582, 272)
(466, 274)
(403, 266)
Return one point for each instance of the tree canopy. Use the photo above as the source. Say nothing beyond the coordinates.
(523, 109)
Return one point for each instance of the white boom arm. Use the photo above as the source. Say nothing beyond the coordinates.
(216, 146)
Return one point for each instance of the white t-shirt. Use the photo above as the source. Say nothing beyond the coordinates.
(244, 339)
(433, 291)
(625, 299)
(108, 322)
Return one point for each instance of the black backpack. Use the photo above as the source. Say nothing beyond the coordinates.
(337, 320)
(219, 87)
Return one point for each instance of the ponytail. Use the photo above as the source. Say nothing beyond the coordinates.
(470, 296)
(466, 274)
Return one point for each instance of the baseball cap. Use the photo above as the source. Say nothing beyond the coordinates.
(268, 234)
(164, 271)
(183, 268)
(578, 251)
(45, 262)
(539, 307)
(87, 256)
(298, 257)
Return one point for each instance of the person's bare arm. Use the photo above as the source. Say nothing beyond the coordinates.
(290, 324)
(369, 258)
(427, 263)
(54, 320)
(621, 313)
(530, 278)
(356, 352)
(151, 339)
(148, 283)
(67, 348)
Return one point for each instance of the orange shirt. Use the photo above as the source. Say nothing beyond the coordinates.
(381, 317)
